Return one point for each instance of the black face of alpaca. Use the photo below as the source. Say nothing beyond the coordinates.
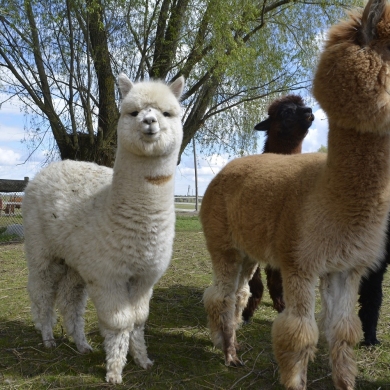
(295, 119)
(289, 117)
(287, 125)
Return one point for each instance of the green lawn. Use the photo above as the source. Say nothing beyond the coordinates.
(185, 206)
(176, 335)
(187, 223)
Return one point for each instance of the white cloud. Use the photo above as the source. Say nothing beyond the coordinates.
(207, 168)
(13, 153)
(9, 157)
(318, 133)
(19, 171)
(11, 133)
(10, 105)
(216, 161)
(10, 108)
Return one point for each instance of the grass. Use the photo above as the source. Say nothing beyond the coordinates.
(176, 334)
(187, 223)
(10, 219)
(4, 238)
(185, 206)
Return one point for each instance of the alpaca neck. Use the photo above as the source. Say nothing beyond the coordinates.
(358, 166)
(282, 146)
(146, 179)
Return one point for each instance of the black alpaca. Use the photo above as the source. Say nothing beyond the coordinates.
(286, 126)
(370, 298)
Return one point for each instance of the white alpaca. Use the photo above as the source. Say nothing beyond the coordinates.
(108, 232)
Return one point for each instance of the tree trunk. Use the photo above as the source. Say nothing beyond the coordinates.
(169, 26)
(104, 143)
(196, 118)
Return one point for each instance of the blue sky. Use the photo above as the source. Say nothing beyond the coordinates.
(14, 152)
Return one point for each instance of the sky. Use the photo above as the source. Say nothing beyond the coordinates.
(16, 164)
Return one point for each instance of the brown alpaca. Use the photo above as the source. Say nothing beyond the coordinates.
(311, 215)
(286, 126)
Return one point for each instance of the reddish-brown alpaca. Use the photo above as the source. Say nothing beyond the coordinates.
(286, 127)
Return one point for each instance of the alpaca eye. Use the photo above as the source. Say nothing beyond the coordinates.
(167, 114)
(287, 113)
(134, 113)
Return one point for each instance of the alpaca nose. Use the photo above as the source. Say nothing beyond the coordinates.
(149, 119)
(308, 113)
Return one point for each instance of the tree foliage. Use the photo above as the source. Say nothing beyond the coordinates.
(61, 58)
(322, 149)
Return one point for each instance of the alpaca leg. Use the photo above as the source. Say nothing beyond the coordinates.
(256, 289)
(116, 344)
(42, 288)
(342, 325)
(220, 303)
(327, 300)
(295, 332)
(370, 301)
(275, 287)
(243, 294)
(137, 346)
(71, 301)
(122, 310)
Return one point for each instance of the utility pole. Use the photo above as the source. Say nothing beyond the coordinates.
(196, 176)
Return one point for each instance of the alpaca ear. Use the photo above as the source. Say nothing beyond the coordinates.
(264, 125)
(125, 85)
(177, 86)
(371, 16)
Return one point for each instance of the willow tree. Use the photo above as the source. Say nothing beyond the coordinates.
(61, 59)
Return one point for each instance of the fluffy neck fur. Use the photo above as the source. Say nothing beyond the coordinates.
(365, 162)
(351, 85)
(282, 146)
(149, 180)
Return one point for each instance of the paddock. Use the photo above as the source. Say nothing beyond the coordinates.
(176, 334)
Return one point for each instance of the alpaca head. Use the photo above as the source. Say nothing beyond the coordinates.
(287, 124)
(352, 82)
(150, 117)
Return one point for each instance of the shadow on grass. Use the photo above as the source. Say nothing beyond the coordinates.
(23, 357)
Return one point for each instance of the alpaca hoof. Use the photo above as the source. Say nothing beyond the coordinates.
(49, 343)
(233, 362)
(246, 318)
(300, 386)
(114, 378)
(146, 365)
(84, 348)
(341, 385)
(370, 342)
(303, 387)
